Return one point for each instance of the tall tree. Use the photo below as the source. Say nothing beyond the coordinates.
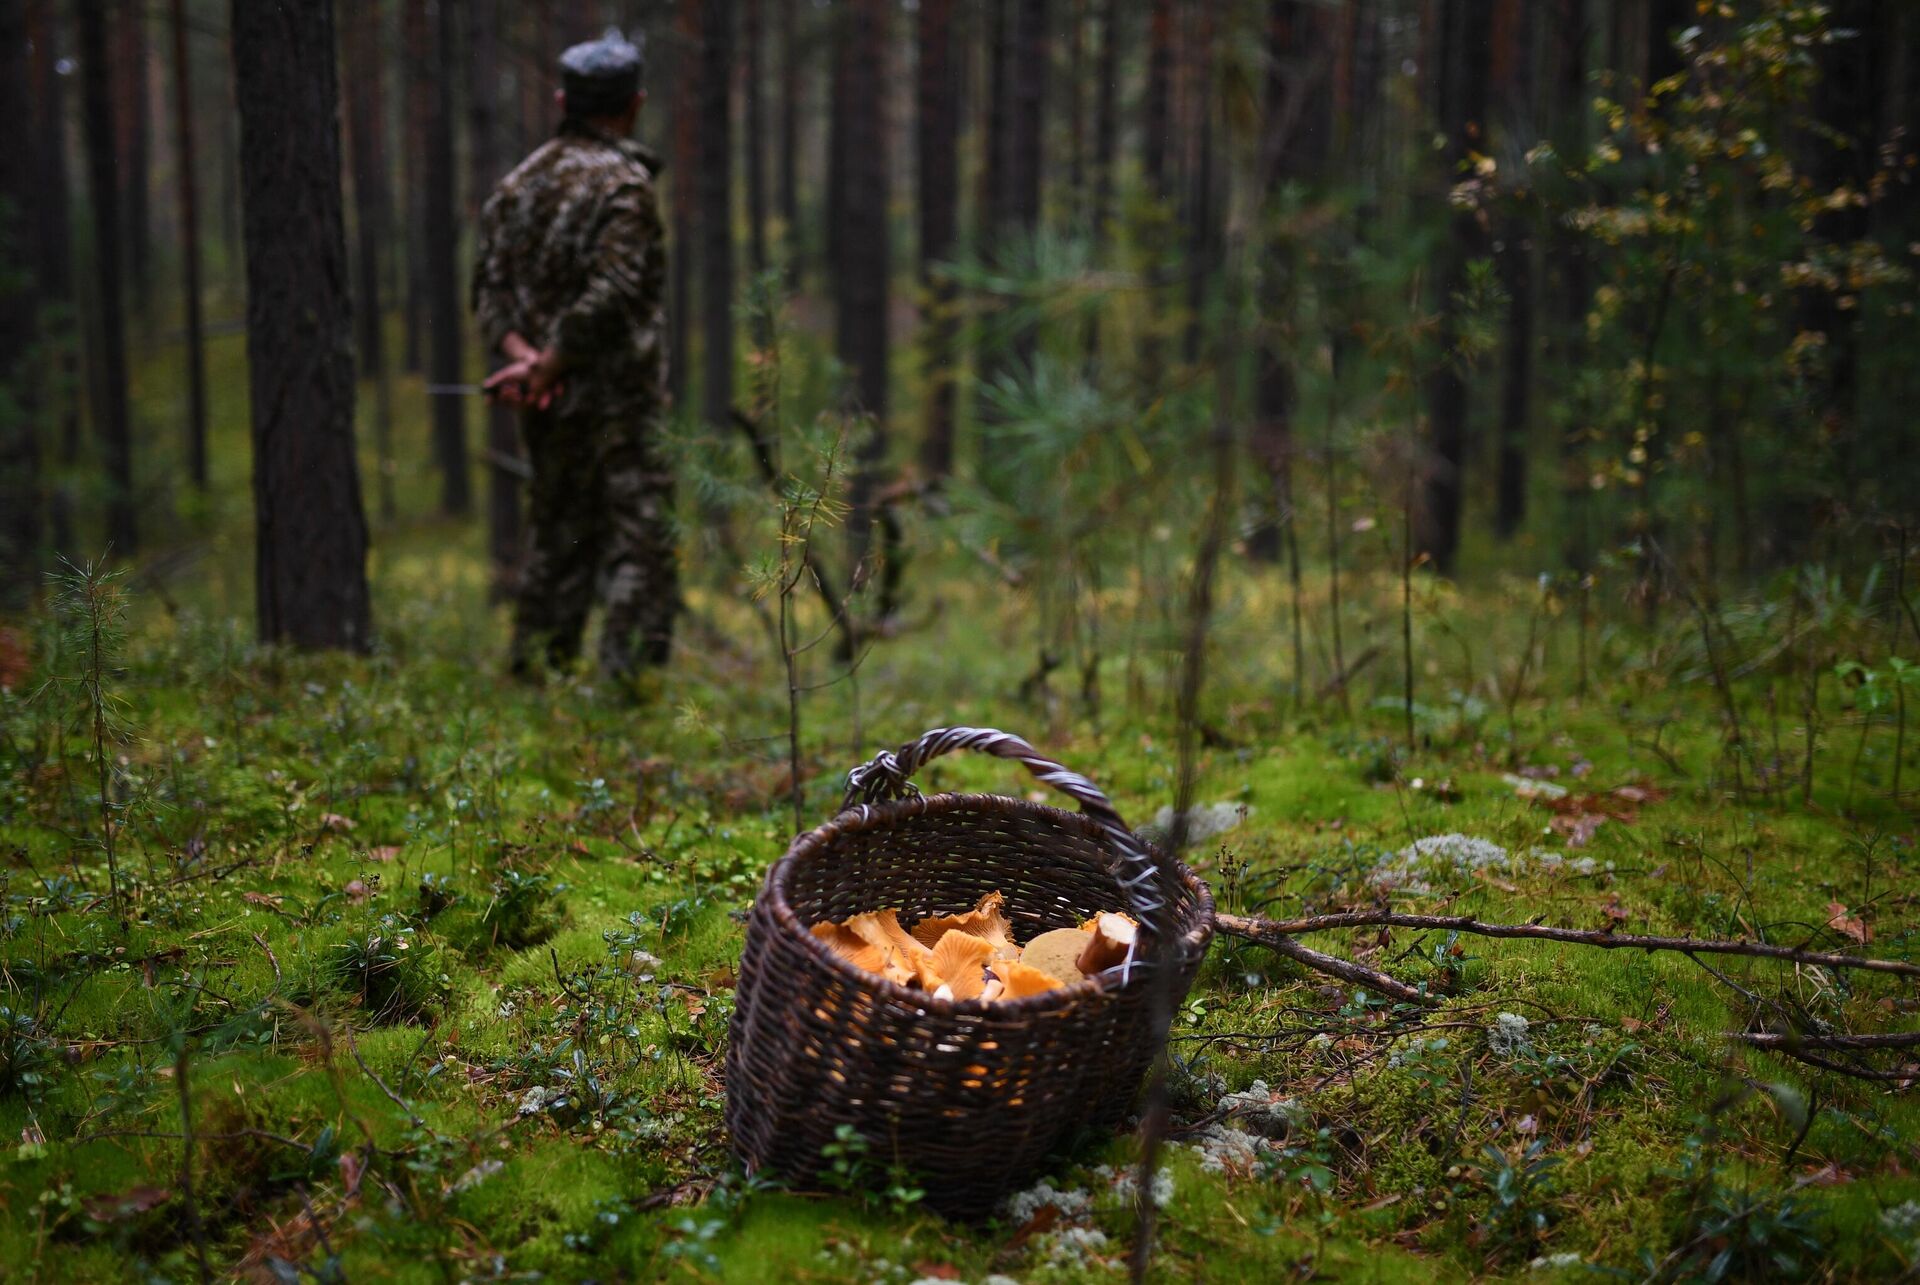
(112, 422)
(1295, 134)
(132, 86)
(715, 184)
(1570, 285)
(756, 142)
(186, 184)
(1461, 100)
(485, 169)
(1106, 145)
(373, 224)
(53, 264)
(939, 176)
(1201, 205)
(416, 60)
(681, 197)
(789, 178)
(19, 325)
(860, 325)
(444, 362)
(1513, 90)
(1155, 135)
(310, 546)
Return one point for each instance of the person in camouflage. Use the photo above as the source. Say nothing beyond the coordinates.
(568, 287)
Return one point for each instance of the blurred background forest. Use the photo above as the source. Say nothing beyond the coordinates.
(1565, 286)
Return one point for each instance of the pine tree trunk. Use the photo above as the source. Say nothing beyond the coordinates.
(186, 181)
(1155, 135)
(1201, 214)
(992, 197)
(1513, 83)
(59, 399)
(833, 235)
(715, 187)
(756, 140)
(373, 225)
(1461, 88)
(1567, 260)
(486, 168)
(1025, 132)
(1106, 141)
(442, 279)
(789, 181)
(19, 330)
(860, 321)
(939, 177)
(416, 59)
(682, 177)
(133, 117)
(110, 413)
(1273, 385)
(311, 534)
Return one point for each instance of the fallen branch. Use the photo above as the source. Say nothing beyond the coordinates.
(1266, 931)
(1792, 1040)
(1345, 970)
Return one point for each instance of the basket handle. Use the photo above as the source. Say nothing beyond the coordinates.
(887, 776)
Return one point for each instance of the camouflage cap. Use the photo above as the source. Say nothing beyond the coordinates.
(601, 76)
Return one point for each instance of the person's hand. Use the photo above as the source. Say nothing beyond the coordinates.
(530, 381)
(543, 379)
(508, 385)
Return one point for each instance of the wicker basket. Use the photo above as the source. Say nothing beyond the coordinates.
(971, 1097)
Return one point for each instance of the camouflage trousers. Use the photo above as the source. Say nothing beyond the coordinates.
(600, 517)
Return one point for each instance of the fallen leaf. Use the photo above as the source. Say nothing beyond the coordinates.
(1043, 1220)
(385, 852)
(125, 1204)
(1847, 925)
(1487, 877)
(930, 1270)
(270, 900)
(335, 822)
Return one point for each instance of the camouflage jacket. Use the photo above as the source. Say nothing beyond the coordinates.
(572, 254)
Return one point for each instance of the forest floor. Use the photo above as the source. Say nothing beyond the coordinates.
(379, 921)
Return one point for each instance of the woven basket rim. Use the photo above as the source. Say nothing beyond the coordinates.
(873, 816)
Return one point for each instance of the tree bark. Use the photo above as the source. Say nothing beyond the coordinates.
(111, 417)
(311, 534)
(19, 330)
(939, 176)
(53, 265)
(1202, 235)
(133, 118)
(186, 182)
(1273, 385)
(1461, 92)
(1106, 141)
(373, 226)
(416, 61)
(1155, 130)
(860, 322)
(756, 140)
(715, 186)
(789, 181)
(1566, 257)
(686, 153)
(486, 167)
(1513, 83)
(992, 196)
(442, 235)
